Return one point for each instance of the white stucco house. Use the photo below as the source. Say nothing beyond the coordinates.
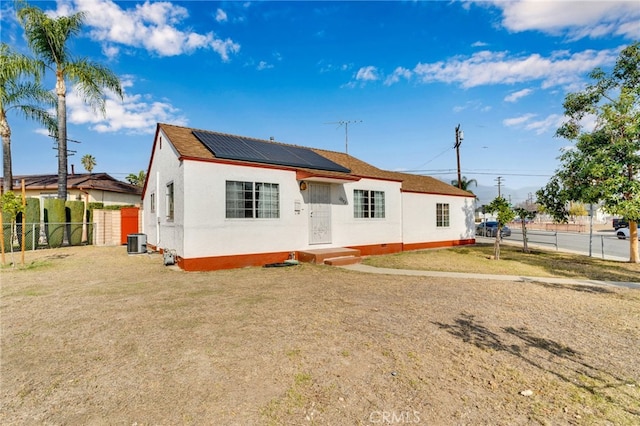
(222, 201)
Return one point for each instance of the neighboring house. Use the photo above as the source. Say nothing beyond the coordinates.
(88, 187)
(223, 201)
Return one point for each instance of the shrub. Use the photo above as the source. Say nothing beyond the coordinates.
(6, 230)
(54, 218)
(32, 233)
(74, 212)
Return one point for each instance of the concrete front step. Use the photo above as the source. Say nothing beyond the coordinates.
(342, 260)
(318, 256)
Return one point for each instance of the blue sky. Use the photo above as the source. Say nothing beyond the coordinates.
(403, 73)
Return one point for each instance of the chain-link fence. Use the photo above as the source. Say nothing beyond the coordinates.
(48, 235)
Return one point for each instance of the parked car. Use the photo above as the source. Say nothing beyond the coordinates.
(490, 229)
(620, 223)
(624, 233)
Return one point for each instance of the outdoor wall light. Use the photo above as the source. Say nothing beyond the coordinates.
(303, 185)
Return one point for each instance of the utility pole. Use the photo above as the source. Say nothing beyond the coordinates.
(499, 180)
(346, 131)
(459, 137)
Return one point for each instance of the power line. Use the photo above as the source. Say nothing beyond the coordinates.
(453, 171)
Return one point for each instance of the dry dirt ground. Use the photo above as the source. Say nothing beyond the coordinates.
(95, 336)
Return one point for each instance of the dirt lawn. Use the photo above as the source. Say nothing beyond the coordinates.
(95, 336)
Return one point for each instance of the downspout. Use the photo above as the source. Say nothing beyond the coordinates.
(157, 210)
(402, 221)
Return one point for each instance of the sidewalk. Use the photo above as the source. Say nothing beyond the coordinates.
(514, 278)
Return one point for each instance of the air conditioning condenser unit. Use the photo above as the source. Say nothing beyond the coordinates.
(136, 243)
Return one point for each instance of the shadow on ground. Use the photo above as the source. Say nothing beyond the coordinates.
(549, 356)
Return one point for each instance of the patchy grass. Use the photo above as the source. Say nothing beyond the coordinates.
(100, 337)
(538, 263)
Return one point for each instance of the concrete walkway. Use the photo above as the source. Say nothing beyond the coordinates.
(514, 278)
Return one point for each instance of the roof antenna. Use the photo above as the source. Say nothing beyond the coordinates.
(346, 131)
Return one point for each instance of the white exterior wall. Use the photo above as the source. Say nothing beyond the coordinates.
(160, 231)
(350, 231)
(419, 218)
(208, 233)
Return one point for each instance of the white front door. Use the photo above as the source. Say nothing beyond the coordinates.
(319, 213)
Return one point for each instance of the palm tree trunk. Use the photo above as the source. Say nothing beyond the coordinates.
(62, 135)
(7, 171)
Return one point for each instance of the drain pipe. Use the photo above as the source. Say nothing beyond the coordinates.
(157, 209)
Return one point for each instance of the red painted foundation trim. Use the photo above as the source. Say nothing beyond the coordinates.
(438, 244)
(378, 249)
(260, 259)
(231, 262)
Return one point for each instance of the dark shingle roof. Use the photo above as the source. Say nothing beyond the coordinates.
(97, 181)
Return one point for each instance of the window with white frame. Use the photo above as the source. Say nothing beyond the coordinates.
(170, 201)
(442, 215)
(252, 200)
(368, 204)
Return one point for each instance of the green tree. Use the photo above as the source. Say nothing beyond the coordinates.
(504, 214)
(12, 205)
(48, 38)
(605, 163)
(524, 215)
(577, 209)
(137, 179)
(88, 162)
(20, 90)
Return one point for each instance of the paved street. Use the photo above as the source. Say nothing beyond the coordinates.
(604, 243)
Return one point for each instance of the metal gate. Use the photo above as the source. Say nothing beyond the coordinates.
(319, 213)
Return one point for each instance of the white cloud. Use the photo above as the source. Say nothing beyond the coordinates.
(154, 26)
(514, 96)
(221, 16)
(516, 121)
(398, 73)
(550, 123)
(135, 114)
(263, 65)
(486, 67)
(576, 19)
(369, 73)
(479, 44)
(473, 106)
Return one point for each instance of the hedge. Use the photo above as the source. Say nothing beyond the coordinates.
(74, 215)
(54, 217)
(6, 230)
(32, 233)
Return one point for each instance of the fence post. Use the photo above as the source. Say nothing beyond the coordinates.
(602, 245)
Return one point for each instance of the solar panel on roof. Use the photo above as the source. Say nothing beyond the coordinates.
(238, 148)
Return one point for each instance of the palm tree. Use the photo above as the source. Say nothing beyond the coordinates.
(137, 179)
(25, 97)
(464, 183)
(48, 38)
(88, 162)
